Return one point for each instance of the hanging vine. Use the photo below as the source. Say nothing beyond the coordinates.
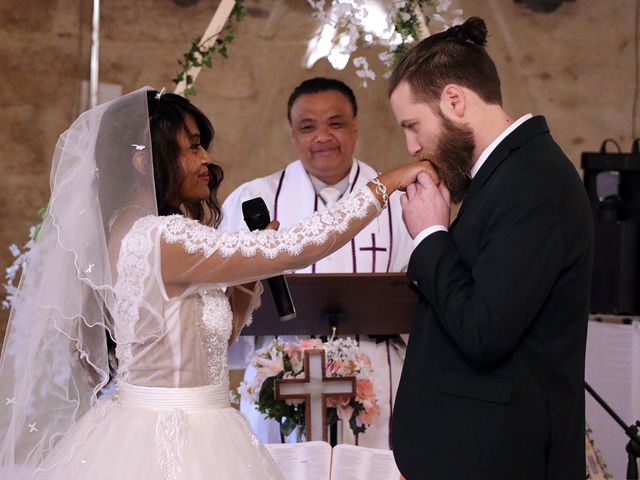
(199, 55)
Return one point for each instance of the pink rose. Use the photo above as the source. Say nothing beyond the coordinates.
(364, 389)
(369, 416)
(295, 356)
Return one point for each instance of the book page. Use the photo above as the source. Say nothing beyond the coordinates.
(360, 463)
(309, 460)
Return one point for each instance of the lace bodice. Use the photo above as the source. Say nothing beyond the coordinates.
(215, 326)
(175, 311)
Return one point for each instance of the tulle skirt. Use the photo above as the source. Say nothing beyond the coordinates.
(161, 434)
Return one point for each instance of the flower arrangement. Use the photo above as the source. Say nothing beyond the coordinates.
(19, 265)
(346, 26)
(394, 25)
(285, 360)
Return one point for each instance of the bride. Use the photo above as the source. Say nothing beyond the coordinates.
(129, 255)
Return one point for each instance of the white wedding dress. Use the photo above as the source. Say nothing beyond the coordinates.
(170, 416)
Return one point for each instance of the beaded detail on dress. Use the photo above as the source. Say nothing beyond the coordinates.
(215, 330)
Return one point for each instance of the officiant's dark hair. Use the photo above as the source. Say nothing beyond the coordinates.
(167, 114)
(322, 84)
(456, 55)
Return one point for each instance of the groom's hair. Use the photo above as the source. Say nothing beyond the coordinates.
(322, 84)
(456, 55)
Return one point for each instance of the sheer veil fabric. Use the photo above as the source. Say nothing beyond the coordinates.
(106, 265)
(54, 357)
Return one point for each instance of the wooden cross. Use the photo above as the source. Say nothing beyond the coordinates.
(373, 249)
(210, 35)
(314, 389)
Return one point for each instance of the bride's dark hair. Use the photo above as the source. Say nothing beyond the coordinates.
(121, 129)
(167, 116)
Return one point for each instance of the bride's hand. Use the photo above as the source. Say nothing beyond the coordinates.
(398, 178)
(273, 225)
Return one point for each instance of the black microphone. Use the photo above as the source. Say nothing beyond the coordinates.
(256, 216)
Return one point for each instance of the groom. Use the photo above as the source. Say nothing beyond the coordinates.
(492, 385)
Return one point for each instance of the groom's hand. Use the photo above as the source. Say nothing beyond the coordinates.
(425, 204)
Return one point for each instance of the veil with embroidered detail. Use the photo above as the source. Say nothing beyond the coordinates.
(54, 358)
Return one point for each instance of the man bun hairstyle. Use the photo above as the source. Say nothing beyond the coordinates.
(456, 55)
(474, 30)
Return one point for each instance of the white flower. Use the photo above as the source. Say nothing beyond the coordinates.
(443, 6)
(359, 61)
(385, 56)
(318, 5)
(15, 251)
(357, 23)
(248, 391)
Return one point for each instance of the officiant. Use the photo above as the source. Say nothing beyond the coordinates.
(322, 114)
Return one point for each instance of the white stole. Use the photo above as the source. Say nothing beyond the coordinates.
(296, 200)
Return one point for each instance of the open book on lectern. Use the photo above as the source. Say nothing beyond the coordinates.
(318, 461)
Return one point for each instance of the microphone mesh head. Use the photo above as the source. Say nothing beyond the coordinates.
(256, 214)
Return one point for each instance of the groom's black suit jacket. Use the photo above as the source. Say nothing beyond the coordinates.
(493, 380)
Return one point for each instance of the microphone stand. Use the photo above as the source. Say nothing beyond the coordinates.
(633, 447)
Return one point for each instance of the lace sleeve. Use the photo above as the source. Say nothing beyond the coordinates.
(244, 302)
(192, 252)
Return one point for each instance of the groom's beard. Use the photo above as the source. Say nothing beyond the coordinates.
(452, 158)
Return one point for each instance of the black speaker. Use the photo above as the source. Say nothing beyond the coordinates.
(615, 272)
(612, 181)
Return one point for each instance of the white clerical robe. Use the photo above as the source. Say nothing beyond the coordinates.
(383, 246)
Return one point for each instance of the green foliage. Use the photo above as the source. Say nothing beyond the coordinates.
(201, 56)
(41, 213)
(293, 415)
(355, 428)
(407, 24)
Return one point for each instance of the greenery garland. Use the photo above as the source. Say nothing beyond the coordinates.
(199, 55)
(407, 25)
(406, 18)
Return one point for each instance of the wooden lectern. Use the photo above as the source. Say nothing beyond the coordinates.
(361, 303)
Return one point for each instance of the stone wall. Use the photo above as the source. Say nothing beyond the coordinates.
(575, 65)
